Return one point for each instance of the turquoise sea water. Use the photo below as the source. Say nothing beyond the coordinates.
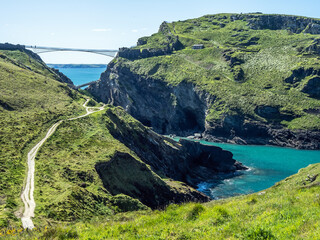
(82, 75)
(267, 164)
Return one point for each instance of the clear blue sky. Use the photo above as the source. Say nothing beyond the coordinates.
(104, 24)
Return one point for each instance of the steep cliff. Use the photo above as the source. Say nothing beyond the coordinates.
(256, 81)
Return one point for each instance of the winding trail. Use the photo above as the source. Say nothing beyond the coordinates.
(27, 194)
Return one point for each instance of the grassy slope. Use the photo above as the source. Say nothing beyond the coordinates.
(288, 210)
(67, 185)
(30, 101)
(265, 65)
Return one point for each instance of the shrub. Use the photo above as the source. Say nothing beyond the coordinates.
(195, 212)
(259, 234)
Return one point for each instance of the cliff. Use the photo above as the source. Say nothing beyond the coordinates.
(255, 82)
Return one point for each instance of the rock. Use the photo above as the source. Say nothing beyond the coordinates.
(178, 110)
(123, 174)
(268, 112)
(301, 73)
(178, 161)
(181, 110)
(314, 47)
(313, 87)
(198, 135)
(294, 24)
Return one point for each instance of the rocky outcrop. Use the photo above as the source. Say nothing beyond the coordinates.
(141, 183)
(314, 47)
(182, 110)
(170, 44)
(167, 109)
(312, 87)
(240, 130)
(301, 73)
(165, 156)
(141, 175)
(134, 53)
(294, 24)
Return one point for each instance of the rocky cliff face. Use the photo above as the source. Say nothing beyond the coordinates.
(182, 110)
(167, 109)
(243, 87)
(163, 162)
(294, 24)
(237, 129)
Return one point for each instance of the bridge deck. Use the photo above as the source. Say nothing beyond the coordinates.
(41, 49)
(85, 84)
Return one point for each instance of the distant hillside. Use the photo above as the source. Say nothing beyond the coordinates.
(77, 65)
(254, 80)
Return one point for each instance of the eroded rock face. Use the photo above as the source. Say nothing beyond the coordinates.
(179, 110)
(237, 129)
(300, 73)
(294, 24)
(313, 87)
(182, 110)
(140, 176)
(124, 174)
(169, 158)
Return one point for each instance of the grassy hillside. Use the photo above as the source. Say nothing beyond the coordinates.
(288, 210)
(242, 66)
(30, 101)
(82, 170)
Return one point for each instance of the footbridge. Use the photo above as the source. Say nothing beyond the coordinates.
(85, 84)
(39, 50)
(105, 52)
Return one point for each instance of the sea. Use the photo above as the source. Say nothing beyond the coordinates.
(267, 164)
(80, 75)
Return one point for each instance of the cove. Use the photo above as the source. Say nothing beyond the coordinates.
(268, 165)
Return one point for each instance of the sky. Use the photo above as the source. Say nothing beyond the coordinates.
(104, 24)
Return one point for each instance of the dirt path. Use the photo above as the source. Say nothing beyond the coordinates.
(27, 194)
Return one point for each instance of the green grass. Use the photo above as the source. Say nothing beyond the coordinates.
(31, 100)
(68, 186)
(66, 167)
(265, 65)
(288, 210)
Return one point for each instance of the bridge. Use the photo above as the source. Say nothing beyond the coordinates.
(85, 84)
(39, 50)
(105, 52)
